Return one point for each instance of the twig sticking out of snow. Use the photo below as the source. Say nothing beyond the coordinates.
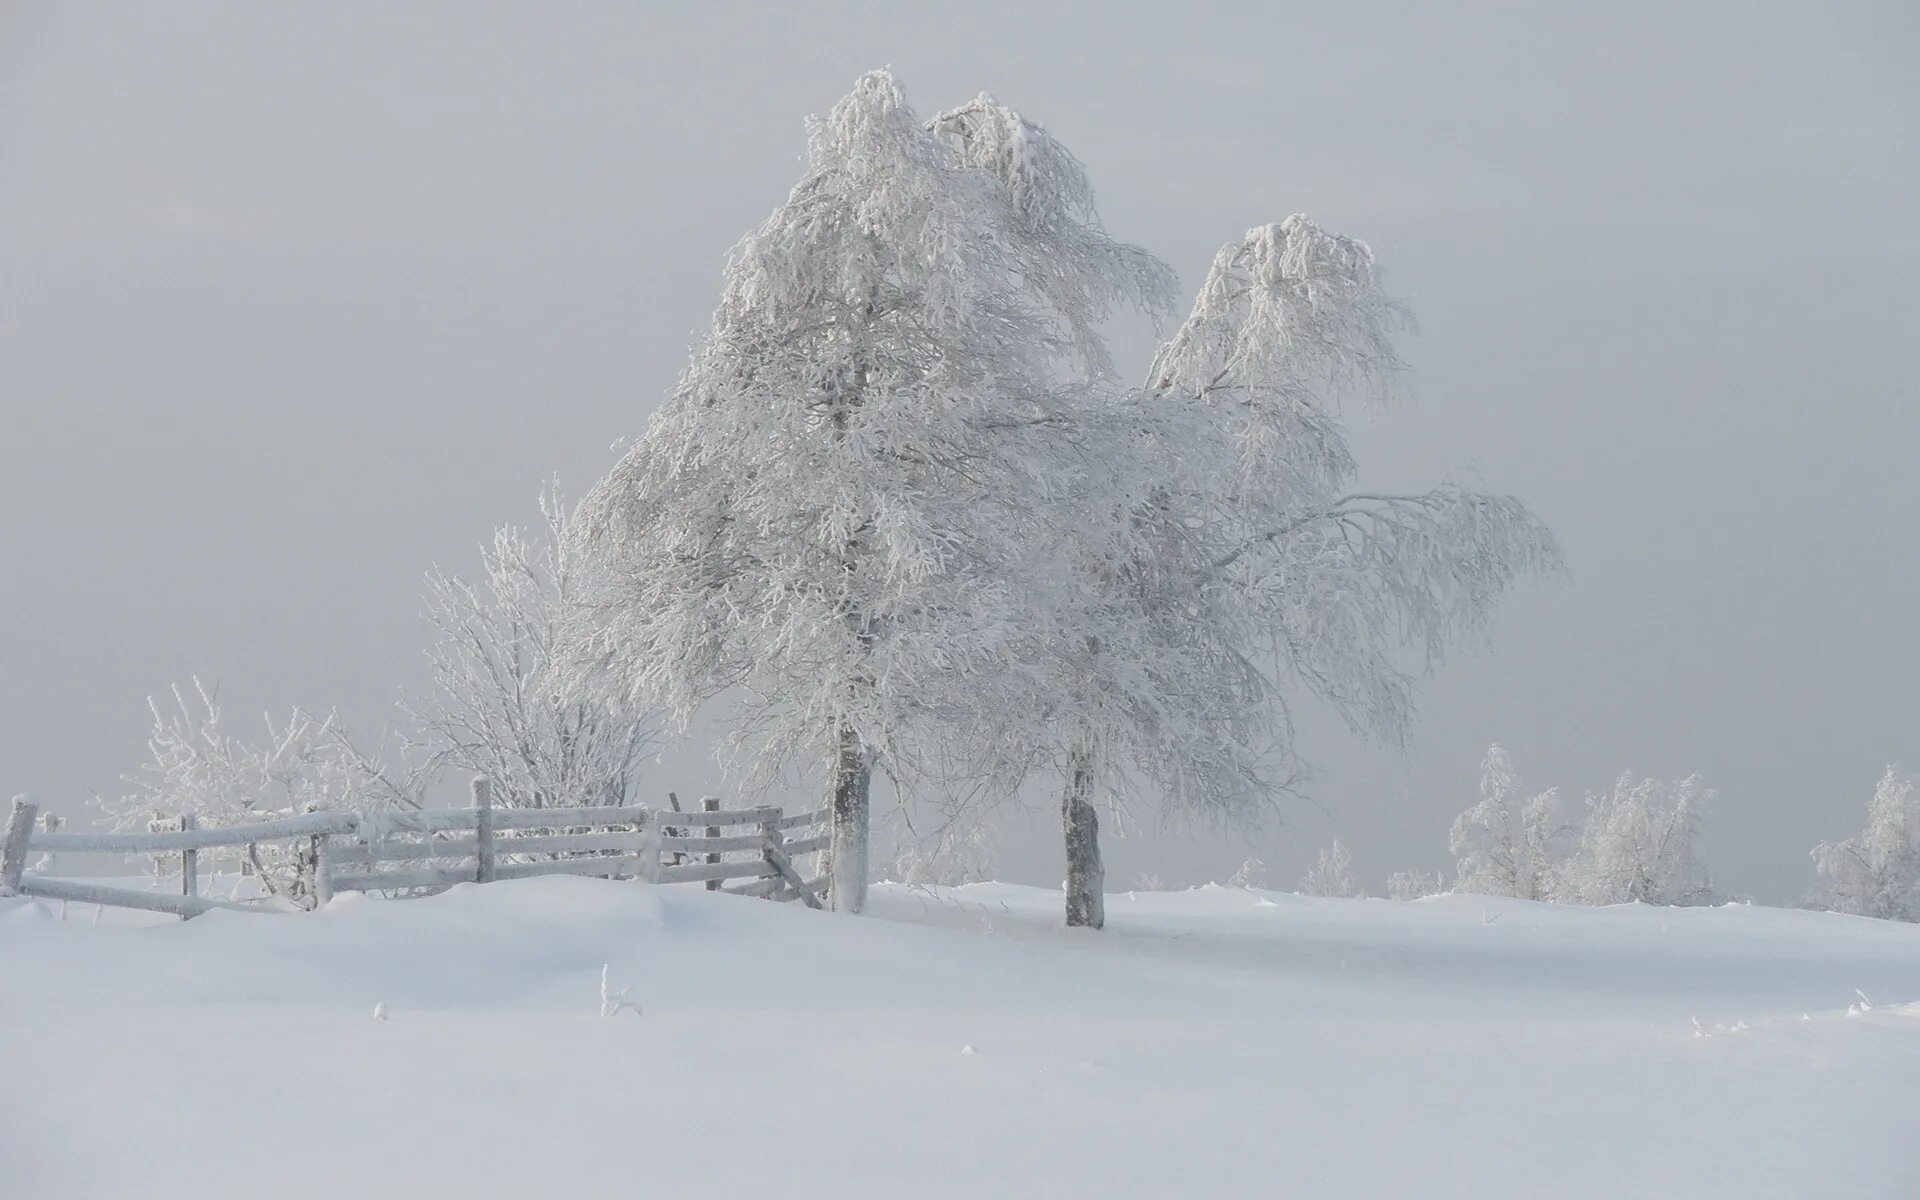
(612, 1002)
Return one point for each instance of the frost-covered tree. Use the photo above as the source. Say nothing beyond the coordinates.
(835, 513)
(1641, 843)
(1508, 845)
(1331, 874)
(1290, 322)
(1246, 573)
(895, 506)
(1876, 873)
(950, 854)
(1251, 874)
(505, 702)
(305, 762)
(1414, 885)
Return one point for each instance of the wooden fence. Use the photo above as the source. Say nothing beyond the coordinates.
(747, 852)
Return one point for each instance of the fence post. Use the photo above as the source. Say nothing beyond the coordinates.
(771, 838)
(306, 867)
(483, 828)
(650, 850)
(49, 823)
(13, 856)
(673, 802)
(712, 804)
(322, 868)
(189, 863)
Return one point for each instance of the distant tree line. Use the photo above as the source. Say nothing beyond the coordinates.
(1639, 842)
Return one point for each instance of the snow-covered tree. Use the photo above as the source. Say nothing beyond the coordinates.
(1876, 873)
(1251, 874)
(305, 762)
(1414, 885)
(1245, 573)
(1506, 845)
(896, 507)
(1331, 874)
(505, 704)
(835, 513)
(1290, 322)
(951, 853)
(1640, 842)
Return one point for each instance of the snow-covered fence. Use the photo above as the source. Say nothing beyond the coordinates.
(747, 852)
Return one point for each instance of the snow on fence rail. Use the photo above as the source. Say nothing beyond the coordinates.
(745, 852)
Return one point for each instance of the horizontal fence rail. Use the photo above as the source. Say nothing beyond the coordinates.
(743, 852)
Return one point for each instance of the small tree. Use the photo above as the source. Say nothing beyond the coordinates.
(1876, 873)
(1252, 874)
(949, 855)
(1507, 846)
(1640, 843)
(505, 704)
(1414, 885)
(1332, 874)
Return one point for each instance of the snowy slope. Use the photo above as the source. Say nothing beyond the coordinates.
(1214, 1042)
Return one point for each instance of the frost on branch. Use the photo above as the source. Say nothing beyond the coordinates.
(1083, 273)
(1508, 845)
(1876, 873)
(505, 702)
(1640, 843)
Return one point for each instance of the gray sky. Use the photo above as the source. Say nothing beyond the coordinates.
(296, 300)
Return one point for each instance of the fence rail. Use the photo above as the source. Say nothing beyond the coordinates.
(745, 852)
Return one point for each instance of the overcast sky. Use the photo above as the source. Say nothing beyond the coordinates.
(296, 300)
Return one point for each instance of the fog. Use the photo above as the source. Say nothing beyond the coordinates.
(298, 300)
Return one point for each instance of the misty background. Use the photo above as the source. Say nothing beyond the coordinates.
(297, 300)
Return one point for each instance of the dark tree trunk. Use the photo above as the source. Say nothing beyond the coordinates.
(1086, 878)
(847, 795)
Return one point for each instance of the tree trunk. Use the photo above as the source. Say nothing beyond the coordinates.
(1086, 878)
(847, 794)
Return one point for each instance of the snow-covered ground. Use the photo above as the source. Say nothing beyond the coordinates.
(1216, 1042)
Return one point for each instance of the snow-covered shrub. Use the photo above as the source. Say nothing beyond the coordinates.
(1876, 873)
(1252, 874)
(1331, 874)
(1506, 845)
(505, 704)
(958, 852)
(1640, 842)
(306, 762)
(1414, 885)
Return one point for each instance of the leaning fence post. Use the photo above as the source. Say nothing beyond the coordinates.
(13, 856)
(483, 828)
(712, 804)
(189, 863)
